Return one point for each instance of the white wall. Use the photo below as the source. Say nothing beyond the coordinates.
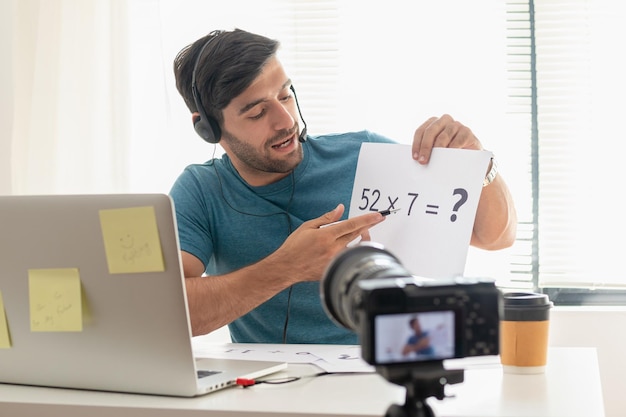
(605, 329)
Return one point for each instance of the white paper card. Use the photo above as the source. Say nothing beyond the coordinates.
(430, 234)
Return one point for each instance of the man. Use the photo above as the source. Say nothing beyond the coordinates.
(419, 341)
(253, 248)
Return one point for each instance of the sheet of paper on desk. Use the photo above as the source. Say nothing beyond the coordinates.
(430, 234)
(331, 358)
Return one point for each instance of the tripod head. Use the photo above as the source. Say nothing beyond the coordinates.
(421, 382)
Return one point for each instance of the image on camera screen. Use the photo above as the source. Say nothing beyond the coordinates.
(414, 337)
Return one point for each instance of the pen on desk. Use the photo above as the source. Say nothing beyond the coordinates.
(383, 212)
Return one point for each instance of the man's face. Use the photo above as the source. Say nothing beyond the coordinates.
(260, 132)
(416, 326)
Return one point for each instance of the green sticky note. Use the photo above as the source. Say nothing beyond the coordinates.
(55, 300)
(131, 240)
(5, 337)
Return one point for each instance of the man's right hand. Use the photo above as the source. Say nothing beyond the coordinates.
(304, 256)
(311, 247)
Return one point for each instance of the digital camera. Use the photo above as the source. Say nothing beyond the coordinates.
(407, 320)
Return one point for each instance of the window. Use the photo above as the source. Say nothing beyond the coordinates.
(535, 81)
(570, 49)
(540, 82)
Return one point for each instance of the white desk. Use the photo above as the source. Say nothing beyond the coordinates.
(569, 388)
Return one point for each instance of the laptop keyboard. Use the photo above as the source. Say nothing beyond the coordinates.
(204, 374)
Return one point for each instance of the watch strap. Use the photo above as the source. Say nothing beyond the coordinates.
(491, 175)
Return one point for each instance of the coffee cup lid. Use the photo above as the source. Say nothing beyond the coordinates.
(526, 306)
(526, 299)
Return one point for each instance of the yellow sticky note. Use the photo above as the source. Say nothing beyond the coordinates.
(55, 300)
(5, 337)
(131, 240)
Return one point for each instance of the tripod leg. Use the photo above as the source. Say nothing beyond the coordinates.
(410, 409)
(424, 410)
(396, 410)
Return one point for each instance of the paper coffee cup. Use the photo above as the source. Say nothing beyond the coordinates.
(524, 332)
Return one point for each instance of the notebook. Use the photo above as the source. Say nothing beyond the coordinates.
(93, 298)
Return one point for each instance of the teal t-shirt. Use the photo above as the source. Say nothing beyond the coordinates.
(228, 224)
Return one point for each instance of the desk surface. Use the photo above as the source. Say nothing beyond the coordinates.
(570, 387)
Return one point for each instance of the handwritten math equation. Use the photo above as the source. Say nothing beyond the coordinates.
(373, 199)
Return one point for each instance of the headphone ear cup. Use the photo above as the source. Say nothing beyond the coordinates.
(207, 130)
(206, 127)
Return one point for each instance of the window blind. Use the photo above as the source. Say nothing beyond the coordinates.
(520, 132)
(580, 90)
(310, 53)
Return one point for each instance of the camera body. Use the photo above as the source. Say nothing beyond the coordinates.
(405, 320)
(460, 317)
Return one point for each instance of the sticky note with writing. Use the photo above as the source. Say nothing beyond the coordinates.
(5, 337)
(55, 300)
(131, 240)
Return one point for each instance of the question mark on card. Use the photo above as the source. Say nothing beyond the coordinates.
(463, 193)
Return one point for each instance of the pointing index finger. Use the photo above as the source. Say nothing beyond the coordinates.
(358, 224)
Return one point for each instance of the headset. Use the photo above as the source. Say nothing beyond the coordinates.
(207, 127)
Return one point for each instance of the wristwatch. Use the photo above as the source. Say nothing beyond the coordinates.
(491, 175)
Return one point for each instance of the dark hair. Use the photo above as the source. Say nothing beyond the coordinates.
(228, 65)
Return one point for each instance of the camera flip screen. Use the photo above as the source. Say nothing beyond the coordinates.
(414, 337)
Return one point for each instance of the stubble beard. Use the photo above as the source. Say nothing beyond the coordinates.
(248, 155)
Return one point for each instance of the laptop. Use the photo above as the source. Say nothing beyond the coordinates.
(94, 298)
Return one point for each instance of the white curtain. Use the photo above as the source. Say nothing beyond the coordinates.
(6, 96)
(67, 128)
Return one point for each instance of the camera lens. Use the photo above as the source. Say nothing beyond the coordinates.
(340, 290)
